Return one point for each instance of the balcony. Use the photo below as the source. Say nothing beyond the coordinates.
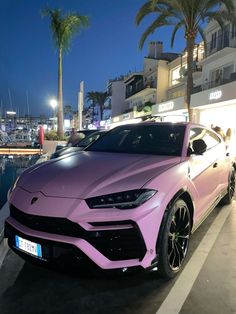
(227, 39)
(212, 84)
(138, 87)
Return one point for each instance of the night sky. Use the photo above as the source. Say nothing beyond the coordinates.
(107, 49)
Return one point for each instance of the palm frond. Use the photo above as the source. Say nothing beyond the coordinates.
(217, 17)
(228, 16)
(176, 28)
(159, 22)
(146, 9)
(71, 25)
(202, 34)
(64, 27)
(229, 5)
(210, 6)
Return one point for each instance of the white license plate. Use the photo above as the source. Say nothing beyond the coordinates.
(28, 246)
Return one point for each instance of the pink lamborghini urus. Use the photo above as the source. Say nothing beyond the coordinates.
(131, 199)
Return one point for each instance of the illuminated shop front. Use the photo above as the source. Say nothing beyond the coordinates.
(217, 107)
(126, 118)
(171, 111)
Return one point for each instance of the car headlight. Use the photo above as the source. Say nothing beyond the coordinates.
(122, 200)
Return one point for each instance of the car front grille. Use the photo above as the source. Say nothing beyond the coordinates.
(116, 244)
(54, 225)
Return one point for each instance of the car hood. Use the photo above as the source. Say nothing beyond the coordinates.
(88, 174)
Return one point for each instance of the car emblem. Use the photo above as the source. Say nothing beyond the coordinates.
(34, 199)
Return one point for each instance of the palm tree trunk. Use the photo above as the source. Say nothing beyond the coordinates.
(93, 113)
(190, 46)
(60, 128)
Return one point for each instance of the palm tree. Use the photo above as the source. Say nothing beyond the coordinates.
(98, 98)
(91, 97)
(63, 28)
(189, 15)
(68, 110)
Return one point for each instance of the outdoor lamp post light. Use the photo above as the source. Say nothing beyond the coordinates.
(53, 104)
(12, 119)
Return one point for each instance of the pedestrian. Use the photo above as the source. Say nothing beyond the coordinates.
(228, 135)
(228, 140)
(218, 130)
(75, 138)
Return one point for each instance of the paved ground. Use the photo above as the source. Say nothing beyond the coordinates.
(206, 285)
(4, 213)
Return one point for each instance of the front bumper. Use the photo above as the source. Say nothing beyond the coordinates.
(109, 245)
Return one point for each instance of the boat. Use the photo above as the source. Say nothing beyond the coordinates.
(20, 138)
(4, 138)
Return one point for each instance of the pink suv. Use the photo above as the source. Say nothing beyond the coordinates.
(131, 199)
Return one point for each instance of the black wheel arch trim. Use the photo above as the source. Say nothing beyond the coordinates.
(186, 196)
(189, 201)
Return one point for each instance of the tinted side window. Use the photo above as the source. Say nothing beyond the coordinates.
(210, 138)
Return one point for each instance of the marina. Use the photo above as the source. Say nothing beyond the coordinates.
(10, 168)
(18, 137)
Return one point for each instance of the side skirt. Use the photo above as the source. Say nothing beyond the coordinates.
(209, 210)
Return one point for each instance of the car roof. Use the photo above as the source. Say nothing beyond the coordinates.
(145, 123)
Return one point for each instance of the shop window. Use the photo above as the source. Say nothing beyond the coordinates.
(227, 71)
(216, 77)
(221, 75)
(177, 73)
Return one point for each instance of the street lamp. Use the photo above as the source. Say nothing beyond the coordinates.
(53, 104)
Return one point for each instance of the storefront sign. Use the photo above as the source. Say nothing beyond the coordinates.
(166, 106)
(116, 119)
(215, 95)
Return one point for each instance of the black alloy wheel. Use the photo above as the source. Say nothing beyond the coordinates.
(173, 245)
(227, 199)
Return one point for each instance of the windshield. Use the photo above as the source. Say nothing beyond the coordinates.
(88, 140)
(156, 139)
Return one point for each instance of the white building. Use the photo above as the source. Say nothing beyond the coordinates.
(163, 82)
(214, 93)
(171, 107)
(116, 91)
(141, 88)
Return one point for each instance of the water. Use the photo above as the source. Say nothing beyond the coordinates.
(10, 168)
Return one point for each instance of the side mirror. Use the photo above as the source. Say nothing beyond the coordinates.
(199, 147)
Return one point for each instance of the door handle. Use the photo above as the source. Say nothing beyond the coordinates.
(215, 165)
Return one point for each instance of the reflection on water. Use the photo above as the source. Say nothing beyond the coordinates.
(10, 168)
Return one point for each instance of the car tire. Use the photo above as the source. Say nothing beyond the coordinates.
(173, 244)
(227, 199)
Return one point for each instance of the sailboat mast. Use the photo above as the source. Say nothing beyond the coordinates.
(28, 111)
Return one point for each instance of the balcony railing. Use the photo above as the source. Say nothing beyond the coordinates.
(226, 39)
(138, 88)
(212, 84)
